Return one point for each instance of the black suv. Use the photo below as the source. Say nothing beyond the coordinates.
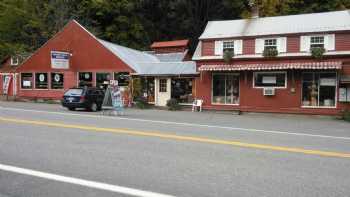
(88, 98)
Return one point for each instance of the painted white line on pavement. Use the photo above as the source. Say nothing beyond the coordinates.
(82, 182)
(181, 123)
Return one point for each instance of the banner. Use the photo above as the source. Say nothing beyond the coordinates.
(60, 60)
(6, 84)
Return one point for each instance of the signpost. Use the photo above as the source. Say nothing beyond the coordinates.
(60, 60)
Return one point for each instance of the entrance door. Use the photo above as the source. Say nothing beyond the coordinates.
(163, 91)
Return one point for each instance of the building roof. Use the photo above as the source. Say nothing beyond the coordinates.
(303, 23)
(279, 66)
(168, 68)
(175, 43)
(171, 57)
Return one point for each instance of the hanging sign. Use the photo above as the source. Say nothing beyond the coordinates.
(60, 60)
(6, 84)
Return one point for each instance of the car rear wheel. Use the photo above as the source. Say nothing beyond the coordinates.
(71, 108)
(93, 107)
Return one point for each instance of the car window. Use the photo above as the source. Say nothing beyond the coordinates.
(74, 92)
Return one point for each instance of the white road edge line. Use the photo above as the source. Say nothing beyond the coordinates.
(181, 123)
(82, 182)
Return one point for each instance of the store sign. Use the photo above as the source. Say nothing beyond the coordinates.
(6, 84)
(269, 80)
(60, 60)
(328, 82)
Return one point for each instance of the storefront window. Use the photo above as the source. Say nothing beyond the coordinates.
(85, 79)
(225, 89)
(102, 80)
(41, 81)
(26, 80)
(123, 78)
(57, 80)
(148, 89)
(163, 85)
(270, 79)
(181, 89)
(319, 89)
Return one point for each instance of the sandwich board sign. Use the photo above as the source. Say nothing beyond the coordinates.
(60, 60)
(6, 84)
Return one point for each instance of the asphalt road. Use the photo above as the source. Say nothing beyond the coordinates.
(47, 151)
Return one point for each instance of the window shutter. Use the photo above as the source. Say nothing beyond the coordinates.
(329, 41)
(305, 43)
(282, 45)
(219, 47)
(238, 47)
(259, 46)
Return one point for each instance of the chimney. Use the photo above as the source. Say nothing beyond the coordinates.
(254, 7)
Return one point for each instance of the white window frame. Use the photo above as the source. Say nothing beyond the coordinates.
(270, 39)
(92, 75)
(272, 72)
(230, 44)
(14, 63)
(212, 89)
(33, 81)
(50, 73)
(320, 107)
(48, 80)
(166, 85)
(317, 36)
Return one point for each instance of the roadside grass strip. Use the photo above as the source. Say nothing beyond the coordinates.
(179, 137)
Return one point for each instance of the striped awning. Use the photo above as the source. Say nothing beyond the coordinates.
(278, 66)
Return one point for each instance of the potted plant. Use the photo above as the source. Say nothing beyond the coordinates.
(270, 52)
(228, 55)
(318, 52)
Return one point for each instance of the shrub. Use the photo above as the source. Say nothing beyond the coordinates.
(346, 115)
(270, 52)
(141, 103)
(228, 55)
(173, 105)
(317, 52)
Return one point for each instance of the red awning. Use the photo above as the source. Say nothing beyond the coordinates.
(279, 66)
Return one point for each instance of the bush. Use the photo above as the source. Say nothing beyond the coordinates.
(173, 105)
(270, 53)
(318, 52)
(346, 115)
(228, 55)
(141, 103)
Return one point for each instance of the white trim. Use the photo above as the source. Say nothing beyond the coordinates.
(271, 72)
(239, 89)
(255, 56)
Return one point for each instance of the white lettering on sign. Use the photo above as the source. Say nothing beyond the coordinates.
(60, 60)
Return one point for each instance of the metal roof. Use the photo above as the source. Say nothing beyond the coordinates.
(168, 68)
(144, 63)
(303, 23)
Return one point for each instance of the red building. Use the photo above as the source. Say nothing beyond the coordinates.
(271, 64)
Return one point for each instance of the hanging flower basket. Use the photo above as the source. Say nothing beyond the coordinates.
(270, 53)
(318, 52)
(228, 55)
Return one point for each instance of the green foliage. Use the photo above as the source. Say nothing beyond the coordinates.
(142, 103)
(136, 87)
(173, 105)
(270, 53)
(228, 55)
(27, 24)
(318, 52)
(346, 115)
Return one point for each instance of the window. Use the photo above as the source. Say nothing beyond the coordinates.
(317, 42)
(85, 79)
(123, 78)
(14, 61)
(270, 79)
(270, 44)
(228, 46)
(319, 89)
(57, 80)
(41, 81)
(225, 89)
(181, 89)
(26, 80)
(102, 80)
(163, 85)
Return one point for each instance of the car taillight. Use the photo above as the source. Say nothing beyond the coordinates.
(82, 98)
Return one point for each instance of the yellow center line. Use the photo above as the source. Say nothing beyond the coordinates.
(179, 137)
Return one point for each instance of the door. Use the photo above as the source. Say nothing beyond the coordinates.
(163, 91)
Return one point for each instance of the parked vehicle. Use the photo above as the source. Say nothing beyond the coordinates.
(87, 98)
